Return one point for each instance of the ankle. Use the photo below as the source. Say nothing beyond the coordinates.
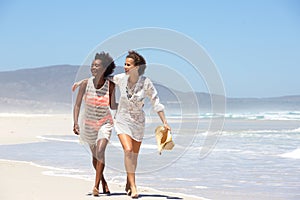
(95, 192)
(97, 188)
(133, 188)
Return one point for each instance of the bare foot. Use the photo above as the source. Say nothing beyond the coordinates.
(134, 193)
(95, 192)
(127, 189)
(105, 188)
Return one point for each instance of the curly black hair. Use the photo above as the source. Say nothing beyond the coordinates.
(139, 60)
(107, 62)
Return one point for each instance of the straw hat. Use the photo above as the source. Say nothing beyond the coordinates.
(164, 139)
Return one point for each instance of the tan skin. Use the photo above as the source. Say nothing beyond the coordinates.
(98, 152)
(131, 147)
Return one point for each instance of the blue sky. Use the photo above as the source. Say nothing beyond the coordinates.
(255, 44)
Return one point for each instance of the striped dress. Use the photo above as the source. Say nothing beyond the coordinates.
(96, 122)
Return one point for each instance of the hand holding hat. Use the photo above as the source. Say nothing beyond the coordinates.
(163, 138)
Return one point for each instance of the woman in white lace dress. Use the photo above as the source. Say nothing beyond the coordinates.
(130, 118)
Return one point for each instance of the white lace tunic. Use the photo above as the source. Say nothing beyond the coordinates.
(130, 117)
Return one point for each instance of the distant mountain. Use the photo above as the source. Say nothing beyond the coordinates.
(47, 84)
(48, 90)
(37, 90)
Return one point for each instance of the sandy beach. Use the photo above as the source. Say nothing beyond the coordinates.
(25, 180)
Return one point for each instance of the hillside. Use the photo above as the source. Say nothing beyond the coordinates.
(48, 90)
(37, 90)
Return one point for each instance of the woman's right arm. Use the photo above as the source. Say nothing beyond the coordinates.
(77, 106)
(151, 92)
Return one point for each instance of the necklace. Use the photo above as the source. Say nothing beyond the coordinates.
(130, 90)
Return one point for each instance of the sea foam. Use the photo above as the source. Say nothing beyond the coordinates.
(293, 154)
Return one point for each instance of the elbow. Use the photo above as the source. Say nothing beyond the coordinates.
(159, 108)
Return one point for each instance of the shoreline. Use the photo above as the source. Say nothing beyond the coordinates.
(25, 179)
(35, 183)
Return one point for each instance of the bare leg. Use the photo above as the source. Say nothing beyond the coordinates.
(131, 150)
(103, 181)
(127, 187)
(99, 164)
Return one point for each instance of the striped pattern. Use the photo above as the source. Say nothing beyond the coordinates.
(96, 112)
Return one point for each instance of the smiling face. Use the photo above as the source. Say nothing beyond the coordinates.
(97, 68)
(129, 66)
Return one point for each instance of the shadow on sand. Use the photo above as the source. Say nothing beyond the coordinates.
(140, 195)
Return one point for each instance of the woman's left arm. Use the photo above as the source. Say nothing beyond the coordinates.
(151, 92)
(161, 114)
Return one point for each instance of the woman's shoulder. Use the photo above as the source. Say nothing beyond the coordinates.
(146, 79)
(109, 78)
(147, 82)
(84, 83)
(119, 75)
(119, 78)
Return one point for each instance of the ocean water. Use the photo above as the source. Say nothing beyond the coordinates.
(257, 156)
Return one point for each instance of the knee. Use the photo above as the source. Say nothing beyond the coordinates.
(100, 158)
(128, 150)
(100, 154)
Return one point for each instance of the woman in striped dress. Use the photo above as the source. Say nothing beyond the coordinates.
(96, 123)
